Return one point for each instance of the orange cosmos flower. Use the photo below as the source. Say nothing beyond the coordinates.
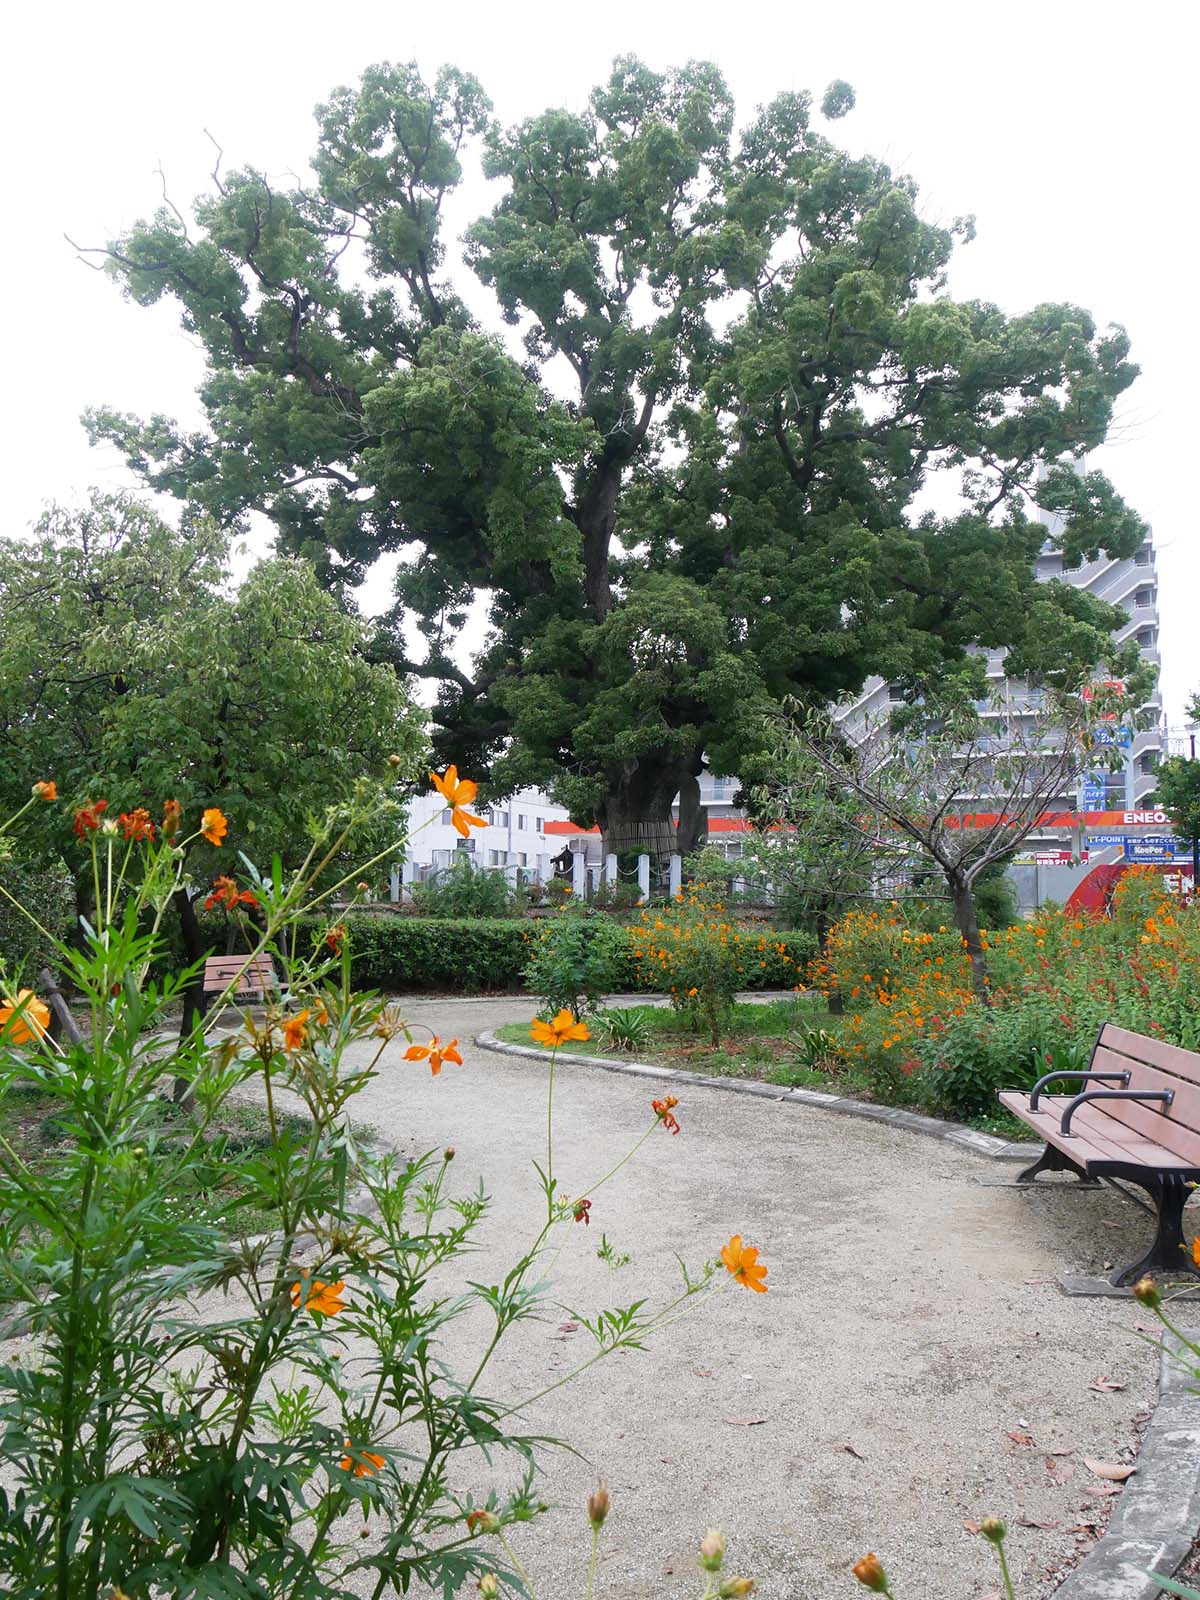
(136, 824)
(742, 1262)
(24, 1018)
(295, 1031)
(88, 817)
(226, 893)
(367, 1464)
(458, 793)
(45, 789)
(582, 1207)
(436, 1051)
(172, 814)
(214, 825)
(664, 1111)
(311, 1294)
(1196, 1248)
(336, 938)
(558, 1030)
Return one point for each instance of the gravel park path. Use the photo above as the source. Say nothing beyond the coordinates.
(913, 1368)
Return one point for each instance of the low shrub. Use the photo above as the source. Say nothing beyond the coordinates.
(462, 890)
(576, 957)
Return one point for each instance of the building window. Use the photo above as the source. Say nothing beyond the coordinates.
(540, 825)
(1144, 596)
(1145, 637)
(895, 692)
(522, 823)
(499, 818)
(1143, 557)
(447, 814)
(1147, 761)
(522, 859)
(497, 858)
(466, 844)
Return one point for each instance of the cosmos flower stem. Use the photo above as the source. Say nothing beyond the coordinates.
(28, 915)
(591, 1581)
(521, 1573)
(628, 1156)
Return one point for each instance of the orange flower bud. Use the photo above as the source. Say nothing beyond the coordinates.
(482, 1522)
(870, 1573)
(992, 1528)
(489, 1586)
(45, 789)
(448, 1153)
(597, 1507)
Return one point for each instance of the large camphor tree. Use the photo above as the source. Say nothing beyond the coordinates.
(698, 489)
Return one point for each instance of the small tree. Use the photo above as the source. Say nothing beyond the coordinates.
(132, 671)
(952, 783)
(1178, 788)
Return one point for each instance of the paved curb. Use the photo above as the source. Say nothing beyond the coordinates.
(1156, 1518)
(980, 1144)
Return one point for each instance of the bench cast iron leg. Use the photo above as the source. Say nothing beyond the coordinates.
(1053, 1160)
(1168, 1252)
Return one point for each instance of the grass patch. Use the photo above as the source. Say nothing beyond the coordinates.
(33, 1124)
(760, 1042)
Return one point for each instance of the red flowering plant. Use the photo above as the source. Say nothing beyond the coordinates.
(213, 1400)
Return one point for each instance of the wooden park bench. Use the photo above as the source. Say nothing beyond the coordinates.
(256, 978)
(1137, 1120)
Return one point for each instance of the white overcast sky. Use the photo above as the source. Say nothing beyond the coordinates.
(1068, 128)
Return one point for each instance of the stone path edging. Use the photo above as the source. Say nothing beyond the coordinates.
(1155, 1520)
(980, 1144)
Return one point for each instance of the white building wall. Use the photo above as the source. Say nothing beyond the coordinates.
(514, 836)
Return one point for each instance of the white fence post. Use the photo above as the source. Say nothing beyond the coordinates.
(395, 885)
(579, 875)
(407, 873)
(644, 877)
(610, 869)
(675, 875)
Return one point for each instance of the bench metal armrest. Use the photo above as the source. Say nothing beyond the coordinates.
(1108, 1077)
(1166, 1096)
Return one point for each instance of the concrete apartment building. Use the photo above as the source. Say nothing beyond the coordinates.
(515, 837)
(1130, 582)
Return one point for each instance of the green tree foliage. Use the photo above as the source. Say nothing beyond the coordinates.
(696, 491)
(1178, 787)
(131, 671)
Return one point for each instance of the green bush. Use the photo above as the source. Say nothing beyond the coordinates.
(577, 956)
(973, 1057)
(462, 890)
(458, 955)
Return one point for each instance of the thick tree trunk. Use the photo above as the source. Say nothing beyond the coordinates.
(965, 920)
(693, 819)
(195, 949)
(636, 812)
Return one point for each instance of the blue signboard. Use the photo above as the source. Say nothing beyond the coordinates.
(1122, 737)
(1152, 849)
(1105, 841)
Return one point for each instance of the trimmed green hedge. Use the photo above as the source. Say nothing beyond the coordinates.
(478, 954)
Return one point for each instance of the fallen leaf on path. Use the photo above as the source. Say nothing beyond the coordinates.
(1069, 1452)
(568, 1327)
(1108, 1469)
(701, 1372)
(1105, 1386)
(1102, 1490)
(1030, 1522)
(1018, 1437)
(745, 1422)
(1060, 1471)
(851, 1451)
(1039, 1280)
(972, 1527)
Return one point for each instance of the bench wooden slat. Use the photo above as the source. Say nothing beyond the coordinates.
(254, 976)
(1177, 1128)
(1171, 1058)
(1093, 1136)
